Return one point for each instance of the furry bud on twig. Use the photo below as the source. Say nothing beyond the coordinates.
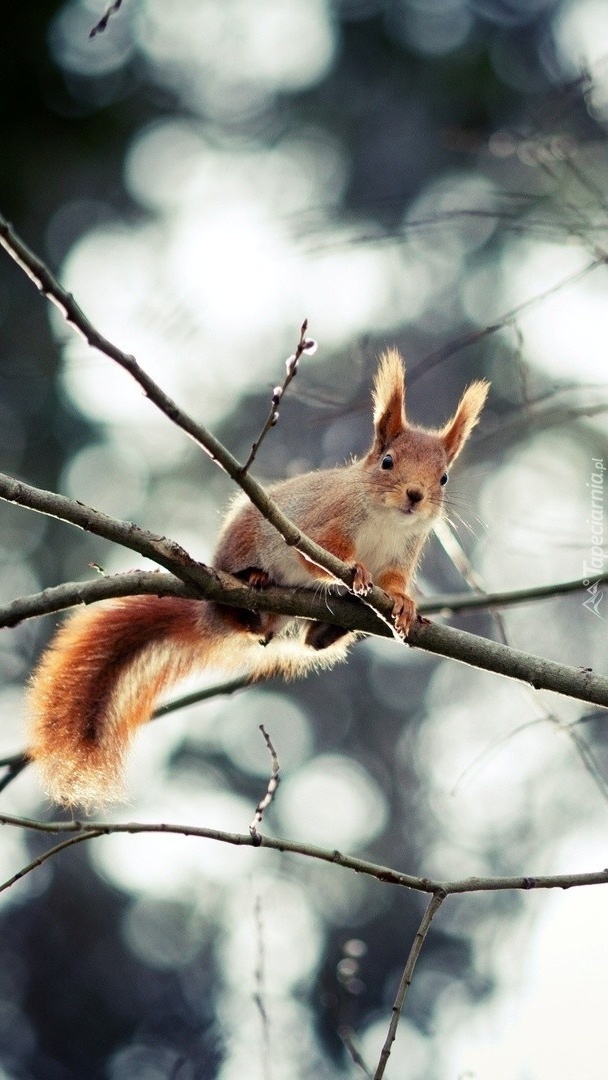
(309, 345)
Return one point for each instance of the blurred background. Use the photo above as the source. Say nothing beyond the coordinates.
(203, 175)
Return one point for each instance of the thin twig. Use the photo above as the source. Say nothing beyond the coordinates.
(89, 834)
(103, 22)
(438, 356)
(14, 765)
(349, 1039)
(457, 602)
(258, 995)
(305, 345)
(271, 790)
(386, 874)
(406, 979)
(567, 728)
(195, 698)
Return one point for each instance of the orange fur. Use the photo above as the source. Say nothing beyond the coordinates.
(99, 680)
(389, 399)
(457, 430)
(334, 540)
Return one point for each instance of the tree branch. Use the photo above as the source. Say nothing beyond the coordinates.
(165, 552)
(213, 584)
(88, 834)
(451, 604)
(387, 874)
(48, 285)
(406, 979)
(105, 18)
(305, 345)
(439, 355)
(346, 611)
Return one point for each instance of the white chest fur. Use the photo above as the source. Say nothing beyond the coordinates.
(392, 541)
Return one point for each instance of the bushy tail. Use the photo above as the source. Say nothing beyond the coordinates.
(103, 673)
(99, 681)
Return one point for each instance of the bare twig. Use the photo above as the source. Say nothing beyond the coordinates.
(258, 995)
(271, 790)
(197, 696)
(567, 728)
(105, 18)
(88, 834)
(387, 874)
(349, 1039)
(14, 765)
(438, 356)
(408, 973)
(458, 602)
(438, 890)
(305, 344)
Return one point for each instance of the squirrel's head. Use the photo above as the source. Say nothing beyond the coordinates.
(408, 466)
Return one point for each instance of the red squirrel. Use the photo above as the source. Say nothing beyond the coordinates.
(102, 674)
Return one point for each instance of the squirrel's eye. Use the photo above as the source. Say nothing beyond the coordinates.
(444, 479)
(387, 461)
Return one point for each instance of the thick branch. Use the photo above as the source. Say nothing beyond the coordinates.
(213, 584)
(323, 606)
(346, 611)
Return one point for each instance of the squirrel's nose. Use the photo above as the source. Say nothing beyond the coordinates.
(414, 494)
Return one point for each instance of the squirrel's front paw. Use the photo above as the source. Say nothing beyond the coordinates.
(362, 580)
(404, 613)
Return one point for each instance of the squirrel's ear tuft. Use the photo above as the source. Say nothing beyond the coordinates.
(389, 399)
(456, 432)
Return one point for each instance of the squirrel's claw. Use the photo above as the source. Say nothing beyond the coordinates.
(362, 580)
(404, 613)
